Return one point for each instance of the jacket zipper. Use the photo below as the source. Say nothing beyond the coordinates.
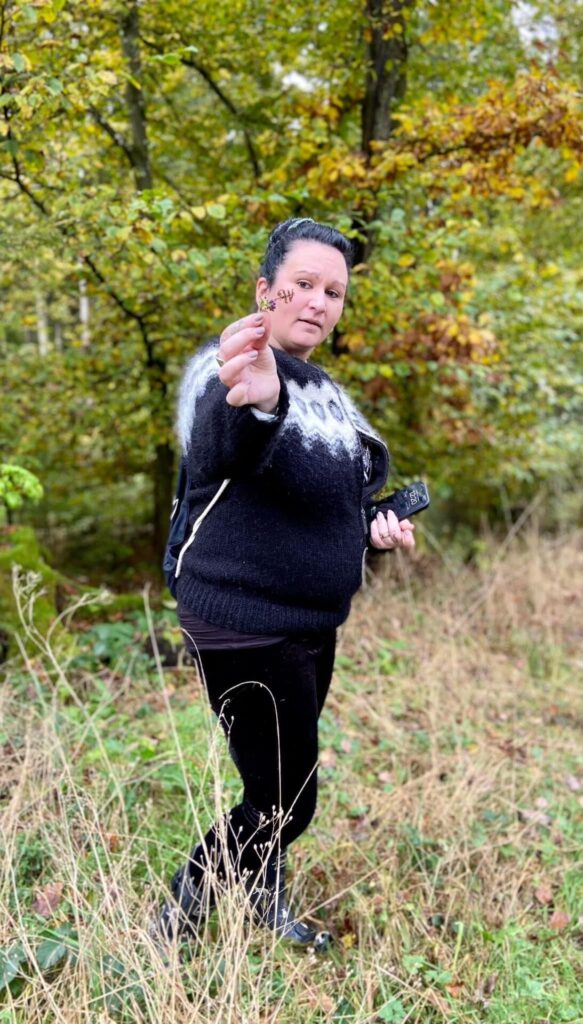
(198, 522)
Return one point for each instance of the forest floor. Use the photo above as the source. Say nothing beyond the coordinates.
(444, 856)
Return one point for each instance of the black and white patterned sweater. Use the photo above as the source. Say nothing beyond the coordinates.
(282, 549)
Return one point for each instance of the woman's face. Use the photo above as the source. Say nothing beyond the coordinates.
(309, 289)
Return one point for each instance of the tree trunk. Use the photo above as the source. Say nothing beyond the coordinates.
(163, 479)
(386, 83)
(163, 464)
(84, 314)
(135, 99)
(42, 325)
(386, 79)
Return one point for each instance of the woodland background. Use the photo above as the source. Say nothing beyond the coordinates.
(146, 150)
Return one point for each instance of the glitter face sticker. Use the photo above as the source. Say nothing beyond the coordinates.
(266, 305)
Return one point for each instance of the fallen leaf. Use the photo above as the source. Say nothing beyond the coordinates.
(559, 920)
(346, 746)
(348, 940)
(542, 803)
(112, 840)
(544, 893)
(454, 989)
(573, 783)
(47, 900)
(385, 777)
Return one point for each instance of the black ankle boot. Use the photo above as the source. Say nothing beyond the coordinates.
(271, 909)
(182, 916)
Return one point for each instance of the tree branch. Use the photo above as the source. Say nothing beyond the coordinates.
(138, 318)
(188, 62)
(225, 100)
(114, 135)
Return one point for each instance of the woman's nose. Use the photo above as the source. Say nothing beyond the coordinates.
(318, 300)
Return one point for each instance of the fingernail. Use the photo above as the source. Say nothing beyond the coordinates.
(258, 318)
(259, 331)
(253, 354)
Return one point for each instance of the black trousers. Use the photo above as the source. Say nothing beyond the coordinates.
(268, 701)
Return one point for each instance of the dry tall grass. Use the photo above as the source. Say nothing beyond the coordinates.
(443, 854)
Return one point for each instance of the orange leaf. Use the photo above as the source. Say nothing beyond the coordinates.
(559, 920)
(544, 893)
(454, 989)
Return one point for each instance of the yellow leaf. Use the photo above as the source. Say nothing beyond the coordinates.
(199, 212)
(348, 940)
(572, 173)
(406, 260)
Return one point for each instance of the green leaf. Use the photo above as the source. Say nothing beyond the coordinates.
(19, 62)
(393, 1012)
(217, 210)
(50, 953)
(54, 86)
(10, 962)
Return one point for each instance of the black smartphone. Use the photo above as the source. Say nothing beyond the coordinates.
(404, 503)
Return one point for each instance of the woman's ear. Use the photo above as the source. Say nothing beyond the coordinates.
(261, 289)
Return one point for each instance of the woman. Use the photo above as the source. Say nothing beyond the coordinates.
(281, 469)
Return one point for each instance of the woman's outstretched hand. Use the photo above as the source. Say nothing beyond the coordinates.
(249, 369)
(386, 532)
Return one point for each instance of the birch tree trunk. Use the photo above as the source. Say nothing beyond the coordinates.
(42, 325)
(84, 314)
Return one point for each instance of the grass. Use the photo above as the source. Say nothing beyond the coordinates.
(445, 851)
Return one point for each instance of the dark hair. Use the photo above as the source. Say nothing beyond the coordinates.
(288, 231)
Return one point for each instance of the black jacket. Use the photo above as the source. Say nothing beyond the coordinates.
(282, 548)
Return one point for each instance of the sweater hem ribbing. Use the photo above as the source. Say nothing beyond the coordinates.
(250, 614)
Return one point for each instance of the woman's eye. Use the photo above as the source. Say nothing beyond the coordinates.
(331, 292)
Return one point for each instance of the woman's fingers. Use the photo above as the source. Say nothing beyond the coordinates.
(238, 395)
(382, 542)
(253, 320)
(388, 533)
(229, 373)
(387, 540)
(252, 330)
(393, 527)
(237, 343)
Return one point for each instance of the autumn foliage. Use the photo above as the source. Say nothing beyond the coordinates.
(144, 157)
